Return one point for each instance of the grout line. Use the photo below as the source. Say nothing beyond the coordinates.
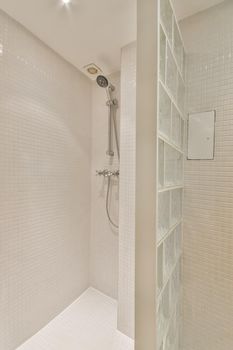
(164, 139)
(171, 188)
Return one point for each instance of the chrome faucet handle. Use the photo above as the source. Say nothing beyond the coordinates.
(99, 172)
(107, 173)
(110, 153)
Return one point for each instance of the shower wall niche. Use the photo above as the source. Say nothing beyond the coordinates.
(170, 137)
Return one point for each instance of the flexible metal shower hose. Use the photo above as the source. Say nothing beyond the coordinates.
(109, 178)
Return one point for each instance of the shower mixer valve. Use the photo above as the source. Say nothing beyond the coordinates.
(107, 173)
(112, 102)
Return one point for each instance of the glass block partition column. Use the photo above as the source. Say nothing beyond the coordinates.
(171, 125)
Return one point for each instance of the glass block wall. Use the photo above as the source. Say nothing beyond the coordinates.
(171, 125)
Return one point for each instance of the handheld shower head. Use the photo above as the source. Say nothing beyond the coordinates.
(102, 81)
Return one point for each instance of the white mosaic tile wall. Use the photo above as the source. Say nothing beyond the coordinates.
(171, 124)
(126, 299)
(208, 200)
(45, 123)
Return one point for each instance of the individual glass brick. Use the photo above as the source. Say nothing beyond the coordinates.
(161, 163)
(179, 168)
(163, 313)
(173, 166)
(160, 322)
(171, 335)
(184, 64)
(178, 47)
(170, 166)
(176, 127)
(166, 301)
(181, 93)
(182, 134)
(176, 283)
(176, 206)
(166, 15)
(163, 213)
(171, 76)
(178, 240)
(169, 254)
(159, 268)
(162, 54)
(164, 112)
(178, 312)
(160, 325)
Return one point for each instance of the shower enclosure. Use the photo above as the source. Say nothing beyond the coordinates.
(67, 251)
(111, 236)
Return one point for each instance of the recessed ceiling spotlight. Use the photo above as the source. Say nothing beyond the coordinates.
(66, 2)
(92, 70)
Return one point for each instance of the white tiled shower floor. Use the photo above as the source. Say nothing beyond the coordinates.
(90, 323)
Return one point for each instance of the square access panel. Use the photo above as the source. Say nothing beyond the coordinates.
(201, 135)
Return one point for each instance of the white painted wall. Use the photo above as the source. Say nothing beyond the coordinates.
(45, 121)
(104, 238)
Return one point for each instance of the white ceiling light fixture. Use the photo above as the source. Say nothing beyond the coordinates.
(66, 2)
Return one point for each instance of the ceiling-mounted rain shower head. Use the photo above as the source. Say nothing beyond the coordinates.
(102, 81)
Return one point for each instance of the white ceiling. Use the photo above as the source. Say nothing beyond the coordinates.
(186, 8)
(88, 30)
